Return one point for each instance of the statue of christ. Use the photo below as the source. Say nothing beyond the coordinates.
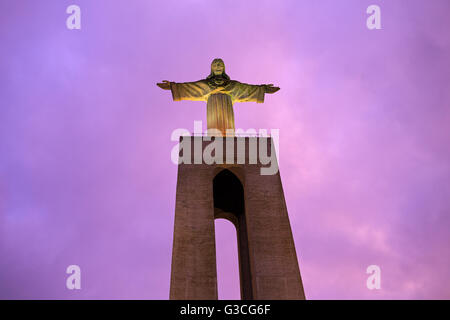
(220, 93)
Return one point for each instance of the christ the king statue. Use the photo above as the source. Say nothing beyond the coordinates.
(220, 93)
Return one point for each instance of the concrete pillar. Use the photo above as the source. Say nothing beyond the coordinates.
(267, 257)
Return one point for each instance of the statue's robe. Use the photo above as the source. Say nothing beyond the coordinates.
(220, 99)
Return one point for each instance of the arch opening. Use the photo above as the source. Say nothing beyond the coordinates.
(228, 286)
(229, 203)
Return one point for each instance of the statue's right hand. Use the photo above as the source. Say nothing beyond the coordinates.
(164, 85)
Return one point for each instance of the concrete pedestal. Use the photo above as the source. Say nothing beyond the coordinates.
(255, 204)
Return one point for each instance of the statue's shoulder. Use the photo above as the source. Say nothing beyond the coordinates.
(203, 82)
(232, 83)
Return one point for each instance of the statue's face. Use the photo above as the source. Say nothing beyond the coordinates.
(218, 67)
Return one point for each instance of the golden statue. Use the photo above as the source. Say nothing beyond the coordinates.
(220, 93)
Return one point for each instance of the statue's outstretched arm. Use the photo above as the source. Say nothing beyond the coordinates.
(243, 92)
(196, 91)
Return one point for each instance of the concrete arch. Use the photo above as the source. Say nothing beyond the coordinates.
(229, 203)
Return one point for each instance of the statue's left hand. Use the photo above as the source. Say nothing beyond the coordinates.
(164, 85)
(269, 88)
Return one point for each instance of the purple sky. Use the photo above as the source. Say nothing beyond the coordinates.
(85, 170)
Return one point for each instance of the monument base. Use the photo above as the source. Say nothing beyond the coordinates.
(255, 204)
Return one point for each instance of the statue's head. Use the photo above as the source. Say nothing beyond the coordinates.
(218, 69)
